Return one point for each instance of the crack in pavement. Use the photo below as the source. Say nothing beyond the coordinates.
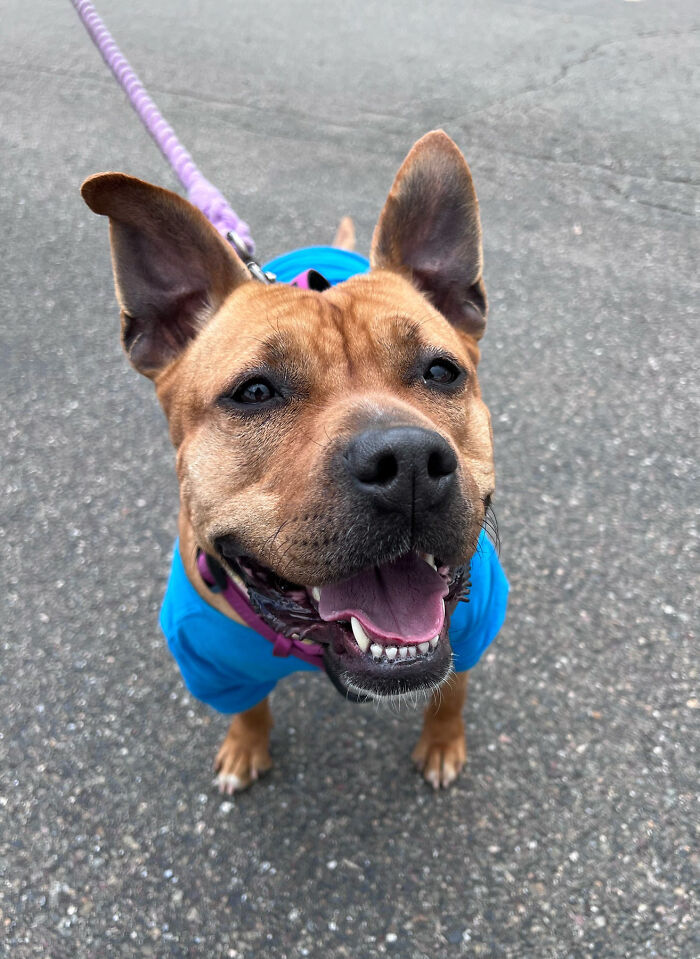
(586, 57)
(559, 161)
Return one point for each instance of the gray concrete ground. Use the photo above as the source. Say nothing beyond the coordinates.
(574, 831)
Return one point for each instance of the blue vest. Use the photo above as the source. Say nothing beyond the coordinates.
(230, 666)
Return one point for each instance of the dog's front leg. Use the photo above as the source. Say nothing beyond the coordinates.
(245, 753)
(441, 750)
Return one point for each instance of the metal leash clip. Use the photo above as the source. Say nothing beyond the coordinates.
(256, 271)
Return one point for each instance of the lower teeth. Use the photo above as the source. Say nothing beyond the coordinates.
(401, 653)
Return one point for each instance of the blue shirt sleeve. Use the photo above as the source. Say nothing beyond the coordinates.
(213, 652)
(476, 624)
(208, 673)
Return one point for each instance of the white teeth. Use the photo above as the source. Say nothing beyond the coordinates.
(316, 593)
(239, 583)
(430, 560)
(390, 653)
(361, 637)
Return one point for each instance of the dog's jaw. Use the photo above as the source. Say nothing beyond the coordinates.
(360, 656)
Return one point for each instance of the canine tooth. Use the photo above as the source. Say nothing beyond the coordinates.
(239, 583)
(403, 652)
(424, 647)
(412, 652)
(434, 641)
(361, 637)
(430, 560)
(376, 650)
(391, 652)
(316, 593)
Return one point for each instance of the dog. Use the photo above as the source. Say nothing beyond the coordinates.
(333, 451)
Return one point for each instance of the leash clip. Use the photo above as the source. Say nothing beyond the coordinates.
(254, 268)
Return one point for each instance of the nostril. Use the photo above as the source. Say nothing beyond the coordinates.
(378, 468)
(386, 469)
(441, 463)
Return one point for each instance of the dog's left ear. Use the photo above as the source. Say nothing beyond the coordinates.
(429, 230)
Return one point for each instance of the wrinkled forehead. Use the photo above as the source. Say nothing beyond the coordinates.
(369, 321)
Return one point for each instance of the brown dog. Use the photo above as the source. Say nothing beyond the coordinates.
(334, 439)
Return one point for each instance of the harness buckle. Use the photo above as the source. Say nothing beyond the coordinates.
(254, 268)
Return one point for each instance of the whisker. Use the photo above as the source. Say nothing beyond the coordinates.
(490, 526)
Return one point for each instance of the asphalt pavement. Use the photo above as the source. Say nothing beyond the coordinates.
(573, 832)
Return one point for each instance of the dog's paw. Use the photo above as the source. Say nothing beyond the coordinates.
(440, 758)
(239, 764)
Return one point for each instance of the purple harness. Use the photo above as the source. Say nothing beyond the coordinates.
(282, 645)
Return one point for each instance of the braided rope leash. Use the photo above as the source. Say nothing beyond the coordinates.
(200, 191)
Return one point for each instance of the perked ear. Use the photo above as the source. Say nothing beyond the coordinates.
(172, 270)
(429, 230)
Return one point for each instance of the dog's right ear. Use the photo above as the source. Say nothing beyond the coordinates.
(172, 270)
(430, 231)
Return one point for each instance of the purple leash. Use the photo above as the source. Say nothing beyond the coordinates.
(200, 191)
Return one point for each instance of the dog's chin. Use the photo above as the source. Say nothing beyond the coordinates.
(374, 647)
(362, 677)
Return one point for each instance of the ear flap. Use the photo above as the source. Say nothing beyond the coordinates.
(172, 270)
(429, 230)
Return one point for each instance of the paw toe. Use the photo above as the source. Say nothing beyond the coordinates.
(238, 768)
(440, 763)
(229, 783)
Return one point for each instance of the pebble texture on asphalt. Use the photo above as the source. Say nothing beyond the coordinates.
(573, 832)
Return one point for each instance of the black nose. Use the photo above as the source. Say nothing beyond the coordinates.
(404, 469)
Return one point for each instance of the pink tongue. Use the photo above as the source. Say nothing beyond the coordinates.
(402, 600)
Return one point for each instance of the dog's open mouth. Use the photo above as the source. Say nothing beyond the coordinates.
(384, 629)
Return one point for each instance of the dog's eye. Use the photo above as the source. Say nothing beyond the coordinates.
(442, 372)
(254, 391)
(256, 394)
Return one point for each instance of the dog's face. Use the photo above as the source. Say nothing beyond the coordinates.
(333, 449)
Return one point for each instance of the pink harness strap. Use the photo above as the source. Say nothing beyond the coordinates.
(310, 280)
(282, 645)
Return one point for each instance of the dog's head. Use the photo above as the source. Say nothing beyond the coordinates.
(333, 448)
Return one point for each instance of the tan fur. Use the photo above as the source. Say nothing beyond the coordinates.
(345, 235)
(348, 348)
(244, 753)
(228, 470)
(441, 751)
